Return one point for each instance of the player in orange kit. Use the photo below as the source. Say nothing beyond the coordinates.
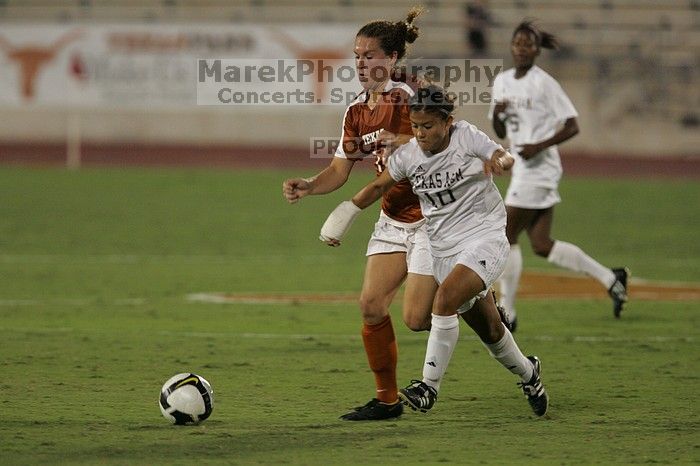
(374, 122)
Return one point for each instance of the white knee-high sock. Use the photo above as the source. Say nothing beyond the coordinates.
(510, 279)
(573, 258)
(444, 332)
(506, 352)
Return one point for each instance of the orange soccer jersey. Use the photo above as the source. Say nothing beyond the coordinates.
(361, 127)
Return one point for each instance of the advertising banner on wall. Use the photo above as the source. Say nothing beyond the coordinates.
(158, 66)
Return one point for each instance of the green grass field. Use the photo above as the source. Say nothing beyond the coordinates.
(96, 268)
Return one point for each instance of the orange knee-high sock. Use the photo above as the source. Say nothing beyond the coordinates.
(382, 354)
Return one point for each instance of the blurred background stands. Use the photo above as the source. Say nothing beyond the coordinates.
(622, 60)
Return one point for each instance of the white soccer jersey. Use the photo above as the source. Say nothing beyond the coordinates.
(537, 107)
(461, 203)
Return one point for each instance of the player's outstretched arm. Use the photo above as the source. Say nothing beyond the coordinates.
(566, 132)
(373, 190)
(331, 178)
(339, 221)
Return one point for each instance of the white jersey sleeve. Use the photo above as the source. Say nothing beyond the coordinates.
(559, 102)
(478, 142)
(397, 163)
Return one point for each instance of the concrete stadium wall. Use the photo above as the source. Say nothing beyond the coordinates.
(294, 125)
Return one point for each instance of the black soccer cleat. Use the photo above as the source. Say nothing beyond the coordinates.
(618, 290)
(418, 396)
(534, 390)
(375, 410)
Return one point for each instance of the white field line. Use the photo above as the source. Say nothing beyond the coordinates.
(19, 302)
(134, 258)
(296, 299)
(214, 258)
(38, 329)
(272, 298)
(422, 336)
(71, 301)
(317, 298)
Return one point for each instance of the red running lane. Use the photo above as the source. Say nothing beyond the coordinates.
(161, 155)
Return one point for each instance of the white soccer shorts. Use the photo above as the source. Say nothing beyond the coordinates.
(486, 257)
(411, 238)
(527, 196)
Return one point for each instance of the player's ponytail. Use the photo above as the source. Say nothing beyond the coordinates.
(394, 36)
(542, 38)
(410, 30)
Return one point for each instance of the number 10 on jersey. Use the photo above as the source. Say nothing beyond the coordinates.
(444, 197)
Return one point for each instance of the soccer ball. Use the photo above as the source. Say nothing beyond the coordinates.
(186, 399)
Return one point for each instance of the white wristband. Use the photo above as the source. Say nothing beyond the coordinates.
(338, 222)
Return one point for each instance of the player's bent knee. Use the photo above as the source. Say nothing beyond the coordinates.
(417, 323)
(373, 309)
(445, 303)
